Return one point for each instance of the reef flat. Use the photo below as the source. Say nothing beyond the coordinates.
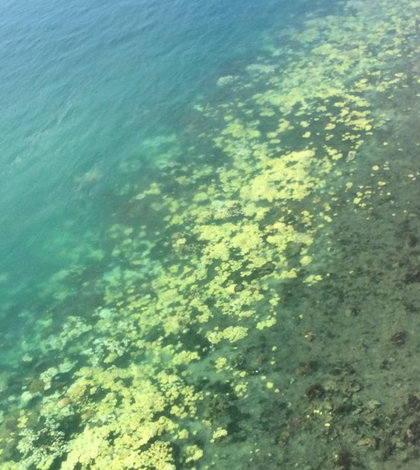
(257, 304)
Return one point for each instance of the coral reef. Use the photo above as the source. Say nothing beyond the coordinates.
(223, 318)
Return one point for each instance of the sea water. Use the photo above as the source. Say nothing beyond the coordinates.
(86, 89)
(209, 235)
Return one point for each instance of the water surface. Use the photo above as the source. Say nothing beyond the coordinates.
(209, 235)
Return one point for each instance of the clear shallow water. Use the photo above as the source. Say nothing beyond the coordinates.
(210, 236)
(87, 88)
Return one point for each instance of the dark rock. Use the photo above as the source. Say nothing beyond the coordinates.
(388, 450)
(413, 403)
(399, 338)
(412, 277)
(315, 391)
(412, 433)
(344, 460)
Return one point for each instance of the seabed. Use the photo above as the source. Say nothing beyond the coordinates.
(256, 304)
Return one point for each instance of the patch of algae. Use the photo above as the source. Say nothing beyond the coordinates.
(181, 299)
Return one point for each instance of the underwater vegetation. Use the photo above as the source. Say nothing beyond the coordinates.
(244, 309)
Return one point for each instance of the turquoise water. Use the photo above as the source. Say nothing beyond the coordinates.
(87, 88)
(209, 235)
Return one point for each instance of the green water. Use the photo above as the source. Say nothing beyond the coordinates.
(250, 297)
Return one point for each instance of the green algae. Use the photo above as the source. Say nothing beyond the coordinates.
(195, 297)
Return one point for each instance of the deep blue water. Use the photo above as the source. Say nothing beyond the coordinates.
(83, 86)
